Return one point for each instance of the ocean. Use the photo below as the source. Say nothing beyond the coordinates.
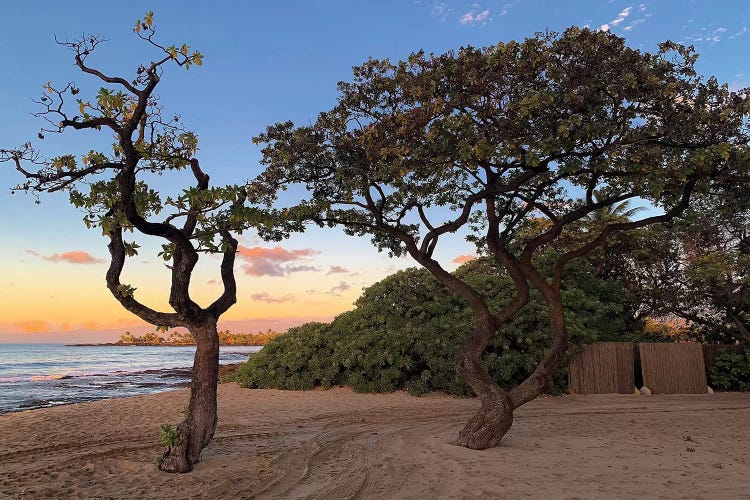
(43, 375)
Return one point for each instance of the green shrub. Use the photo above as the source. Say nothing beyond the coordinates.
(405, 330)
(300, 359)
(731, 371)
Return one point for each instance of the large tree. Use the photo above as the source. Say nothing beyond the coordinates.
(112, 189)
(555, 127)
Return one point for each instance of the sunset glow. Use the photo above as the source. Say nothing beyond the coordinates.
(262, 65)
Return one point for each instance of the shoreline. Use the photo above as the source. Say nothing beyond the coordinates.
(339, 444)
(115, 344)
(93, 387)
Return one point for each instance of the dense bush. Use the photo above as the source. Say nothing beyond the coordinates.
(405, 330)
(731, 371)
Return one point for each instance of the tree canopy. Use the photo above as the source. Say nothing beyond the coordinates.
(556, 128)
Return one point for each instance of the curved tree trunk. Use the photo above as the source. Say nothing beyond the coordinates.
(494, 418)
(195, 432)
(535, 383)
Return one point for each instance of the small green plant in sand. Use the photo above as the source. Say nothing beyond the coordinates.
(168, 435)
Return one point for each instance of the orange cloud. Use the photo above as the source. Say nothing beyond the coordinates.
(32, 326)
(275, 261)
(463, 259)
(72, 257)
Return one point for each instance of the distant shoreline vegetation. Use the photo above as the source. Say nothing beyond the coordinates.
(176, 338)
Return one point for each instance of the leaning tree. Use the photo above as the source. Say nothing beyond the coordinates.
(111, 189)
(556, 127)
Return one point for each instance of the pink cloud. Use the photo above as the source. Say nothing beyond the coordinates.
(337, 270)
(265, 297)
(463, 259)
(275, 261)
(72, 257)
(341, 287)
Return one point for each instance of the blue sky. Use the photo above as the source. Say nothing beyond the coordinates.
(264, 62)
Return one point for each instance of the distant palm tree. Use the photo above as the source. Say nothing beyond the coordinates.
(619, 212)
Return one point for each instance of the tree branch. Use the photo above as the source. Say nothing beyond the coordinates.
(117, 262)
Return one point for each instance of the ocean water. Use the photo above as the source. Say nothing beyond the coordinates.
(43, 375)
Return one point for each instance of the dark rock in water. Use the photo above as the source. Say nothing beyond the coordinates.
(225, 370)
(166, 372)
(33, 403)
(155, 384)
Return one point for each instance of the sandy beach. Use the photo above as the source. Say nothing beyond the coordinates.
(338, 444)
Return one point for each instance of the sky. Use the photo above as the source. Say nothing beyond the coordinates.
(265, 62)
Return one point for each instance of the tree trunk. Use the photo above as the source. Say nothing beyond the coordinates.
(195, 432)
(494, 418)
(535, 383)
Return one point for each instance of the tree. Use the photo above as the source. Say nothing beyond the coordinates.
(697, 268)
(127, 339)
(484, 139)
(111, 190)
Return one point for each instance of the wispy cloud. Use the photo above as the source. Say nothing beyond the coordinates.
(635, 23)
(624, 13)
(335, 290)
(297, 268)
(266, 297)
(707, 35)
(739, 33)
(475, 16)
(72, 257)
(341, 287)
(441, 10)
(621, 16)
(337, 270)
(275, 261)
(463, 259)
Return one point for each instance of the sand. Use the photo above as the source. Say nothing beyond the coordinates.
(337, 444)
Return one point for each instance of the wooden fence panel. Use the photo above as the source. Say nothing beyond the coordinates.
(673, 368)
(603, 368)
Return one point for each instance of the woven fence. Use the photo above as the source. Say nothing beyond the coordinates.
(673, 368)
(602, 368)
